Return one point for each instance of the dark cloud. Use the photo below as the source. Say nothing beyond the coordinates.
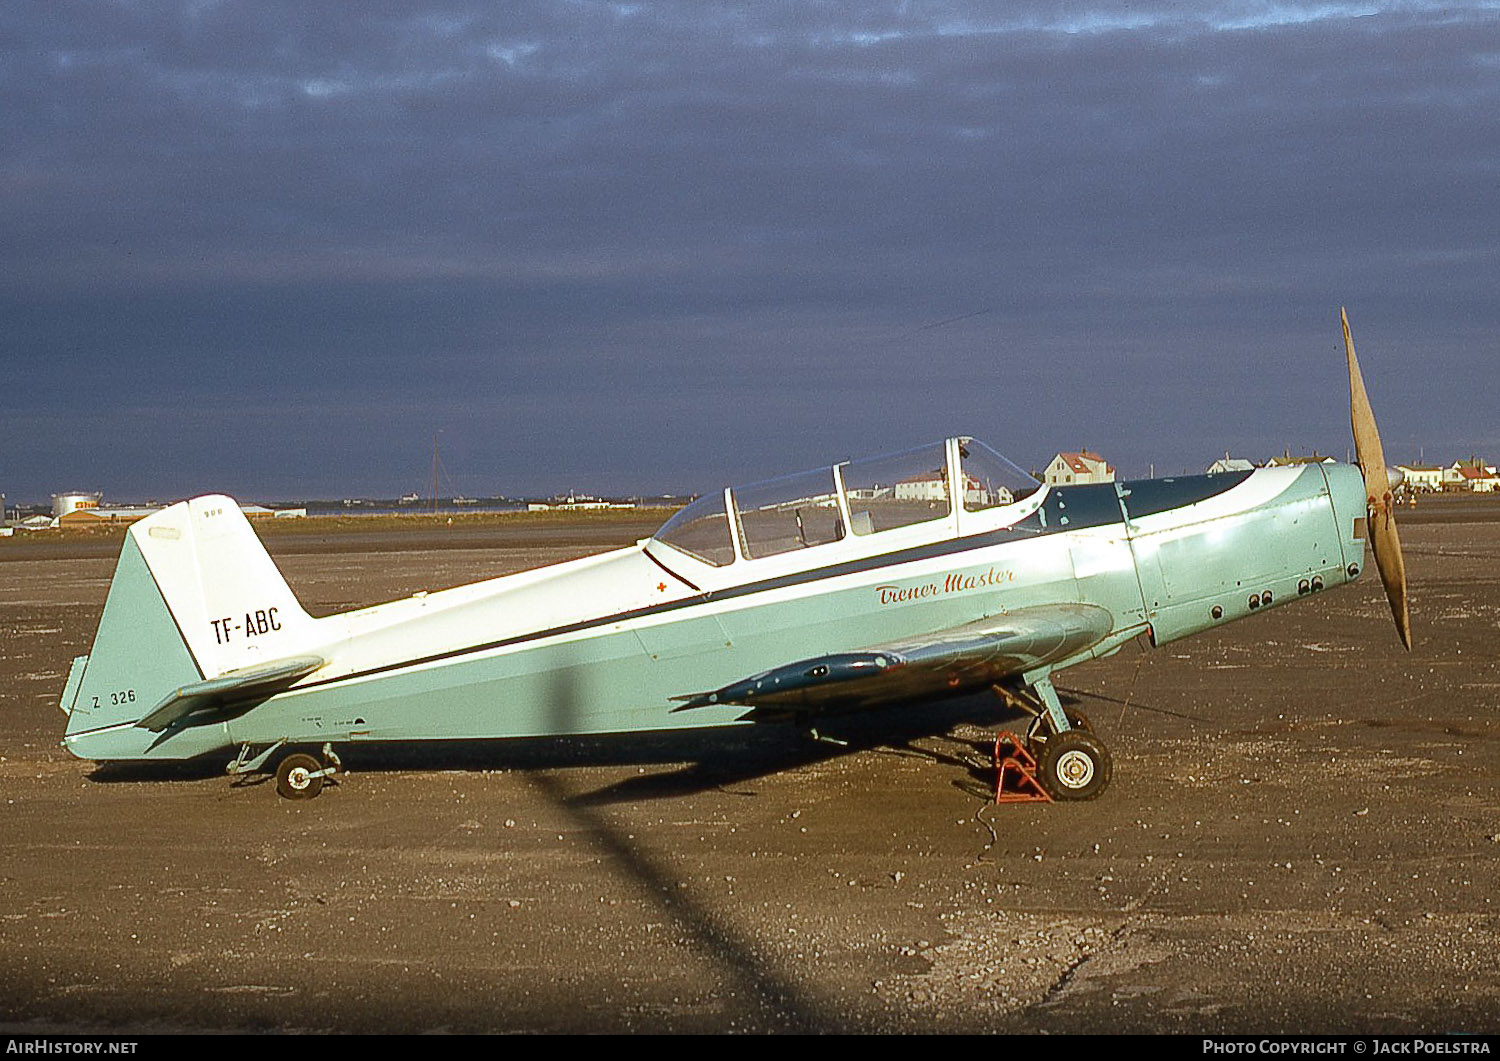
(273, 247)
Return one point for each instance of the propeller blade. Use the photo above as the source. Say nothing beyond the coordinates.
(1380, 501)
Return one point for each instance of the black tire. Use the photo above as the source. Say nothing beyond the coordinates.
(1074, 766)
(1041, 726)
(1078, 720)
(298, 777)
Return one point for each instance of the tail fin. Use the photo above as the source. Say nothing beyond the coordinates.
(195, 596)
(225, 594)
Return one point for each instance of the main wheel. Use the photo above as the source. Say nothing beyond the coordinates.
(1078, 720)
(1074, 765)
(299, 777)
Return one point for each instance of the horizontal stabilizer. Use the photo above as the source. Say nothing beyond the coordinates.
(247, 683)
(959, 659)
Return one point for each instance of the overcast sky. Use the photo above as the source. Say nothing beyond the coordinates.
(271, 248)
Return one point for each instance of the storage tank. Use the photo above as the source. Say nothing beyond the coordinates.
(62, 504)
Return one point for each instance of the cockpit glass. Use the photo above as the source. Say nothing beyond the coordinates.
(701, 530)
(897, 489)
(883, 493)
(793, 512)
(991, 481)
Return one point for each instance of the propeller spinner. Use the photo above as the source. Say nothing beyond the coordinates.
(1380, 500)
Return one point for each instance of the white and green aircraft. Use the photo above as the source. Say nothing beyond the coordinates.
(902, 578)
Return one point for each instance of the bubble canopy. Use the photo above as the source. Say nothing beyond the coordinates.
(862, 497)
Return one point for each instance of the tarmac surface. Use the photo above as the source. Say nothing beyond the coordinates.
(1301, 836)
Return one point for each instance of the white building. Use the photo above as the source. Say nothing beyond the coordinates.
(1230, 464)
(929, 486)
(1425, 477)
(933, 486)
(1286, 460)
(1072, 469)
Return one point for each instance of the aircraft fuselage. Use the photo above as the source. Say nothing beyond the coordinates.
(612, 643)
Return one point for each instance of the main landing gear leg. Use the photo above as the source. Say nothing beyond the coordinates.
(1072, 763)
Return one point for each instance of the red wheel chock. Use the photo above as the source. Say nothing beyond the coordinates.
(1015, 772)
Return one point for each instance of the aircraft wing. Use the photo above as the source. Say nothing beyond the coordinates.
(965, 658)
(261, 680)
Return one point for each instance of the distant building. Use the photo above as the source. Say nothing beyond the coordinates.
(1287, 460)
(576, 506)
(571, 502)
(928, 486)
(1424, 477)
(1472, 475)
(977, 496)
(933, 486)
(1227, 463)
(1072, 469)
(62, 504)
(93, 516)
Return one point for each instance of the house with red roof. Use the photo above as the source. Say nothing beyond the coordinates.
(1472, 475)
(1071, 469)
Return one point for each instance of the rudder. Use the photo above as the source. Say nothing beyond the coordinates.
(194, 595)
(225, 593)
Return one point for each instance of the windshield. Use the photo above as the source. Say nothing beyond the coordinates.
(897, 489)
(793, 512)
(701, 530)
(863, 497)
(990, 480)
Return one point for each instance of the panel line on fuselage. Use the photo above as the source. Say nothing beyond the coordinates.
(903, 556)
(1027, 529)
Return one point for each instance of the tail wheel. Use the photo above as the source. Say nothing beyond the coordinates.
(299, 777)
(1074, 765)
